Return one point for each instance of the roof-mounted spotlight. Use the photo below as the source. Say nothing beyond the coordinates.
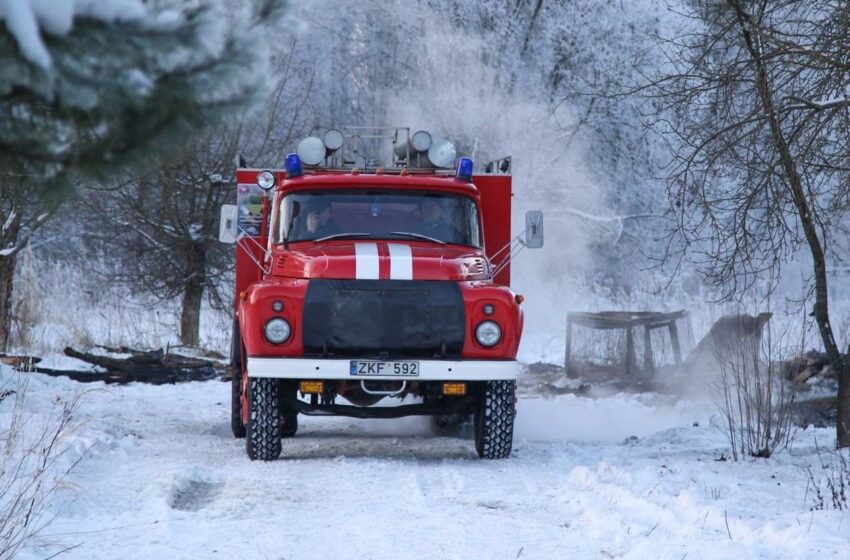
(421, 141)
(442, 153)
(333, 140)
(293, 166)
(464, 169)
(311, 150)
(265, 180)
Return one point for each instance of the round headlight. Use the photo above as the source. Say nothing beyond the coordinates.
(277, 331)
(488, 333)
(265, 180)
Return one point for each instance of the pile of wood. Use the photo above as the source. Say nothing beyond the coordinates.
(156, 367)
(811, 368)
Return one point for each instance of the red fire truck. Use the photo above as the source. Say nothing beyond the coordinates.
(357, 283)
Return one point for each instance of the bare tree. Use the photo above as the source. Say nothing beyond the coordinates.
(24, 208)
(163, 225)
(760, 171)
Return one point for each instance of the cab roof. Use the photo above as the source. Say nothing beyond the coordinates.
(430, 182)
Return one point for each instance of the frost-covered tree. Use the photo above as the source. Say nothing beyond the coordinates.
(543, 81)
(162, 225)
(25, 210)
(760, 178)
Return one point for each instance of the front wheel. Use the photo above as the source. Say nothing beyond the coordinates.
(494, 420)
(263, 437)
(237, 426)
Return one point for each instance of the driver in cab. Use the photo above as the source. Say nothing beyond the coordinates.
(433, 222)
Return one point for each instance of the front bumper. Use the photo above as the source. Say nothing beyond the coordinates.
(429, 370)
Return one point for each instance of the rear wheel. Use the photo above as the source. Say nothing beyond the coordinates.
(288, 414)
(451, 425)
(264, 419)
(494, 420)
(236, 423)
(288, 423)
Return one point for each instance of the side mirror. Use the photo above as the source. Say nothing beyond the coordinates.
(534, 229)
(228, 230)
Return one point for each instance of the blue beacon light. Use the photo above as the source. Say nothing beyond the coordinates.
(464, 169)
(293, 166)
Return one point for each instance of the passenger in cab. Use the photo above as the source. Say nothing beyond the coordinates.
(318, 222)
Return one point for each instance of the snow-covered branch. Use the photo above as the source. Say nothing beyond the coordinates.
(837, 102)
(29, 20)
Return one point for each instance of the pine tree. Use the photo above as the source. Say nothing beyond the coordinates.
(90, 89)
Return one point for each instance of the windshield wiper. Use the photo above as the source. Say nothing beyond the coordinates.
(339, 235)
(418, 236)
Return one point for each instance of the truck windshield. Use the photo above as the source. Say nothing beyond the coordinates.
(422, 216)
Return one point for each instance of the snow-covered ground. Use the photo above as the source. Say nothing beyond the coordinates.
(163, 478)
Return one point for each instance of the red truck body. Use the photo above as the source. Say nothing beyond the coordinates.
(427, 297)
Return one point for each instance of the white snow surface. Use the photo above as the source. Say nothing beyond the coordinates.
(162, 477)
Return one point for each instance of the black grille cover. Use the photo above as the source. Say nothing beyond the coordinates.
(384, 318)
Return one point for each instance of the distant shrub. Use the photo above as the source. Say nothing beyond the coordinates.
(752, 395)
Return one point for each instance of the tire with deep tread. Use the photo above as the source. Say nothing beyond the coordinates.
(494, 420)
(263, 434)
(236, 423)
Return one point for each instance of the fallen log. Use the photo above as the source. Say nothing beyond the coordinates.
(141, 360)
(155, 367)
(151, 377)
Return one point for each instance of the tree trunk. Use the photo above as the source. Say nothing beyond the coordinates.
(193, 292)
(8, 242)
(752, 38)
(7, 277)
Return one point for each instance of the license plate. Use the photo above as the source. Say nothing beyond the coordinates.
(367, 368)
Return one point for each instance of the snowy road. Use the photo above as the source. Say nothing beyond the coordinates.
(165, 479)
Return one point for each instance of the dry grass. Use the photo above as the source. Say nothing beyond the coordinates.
(35, 462)
(830, 487)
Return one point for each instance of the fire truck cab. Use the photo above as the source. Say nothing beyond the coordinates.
(375, 292)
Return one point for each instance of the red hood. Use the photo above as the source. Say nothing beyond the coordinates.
(384, 260)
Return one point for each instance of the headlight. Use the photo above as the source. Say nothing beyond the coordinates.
(265, 180)
(277, 331)
(488, 333)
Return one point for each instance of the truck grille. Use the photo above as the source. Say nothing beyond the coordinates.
(383, 318)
